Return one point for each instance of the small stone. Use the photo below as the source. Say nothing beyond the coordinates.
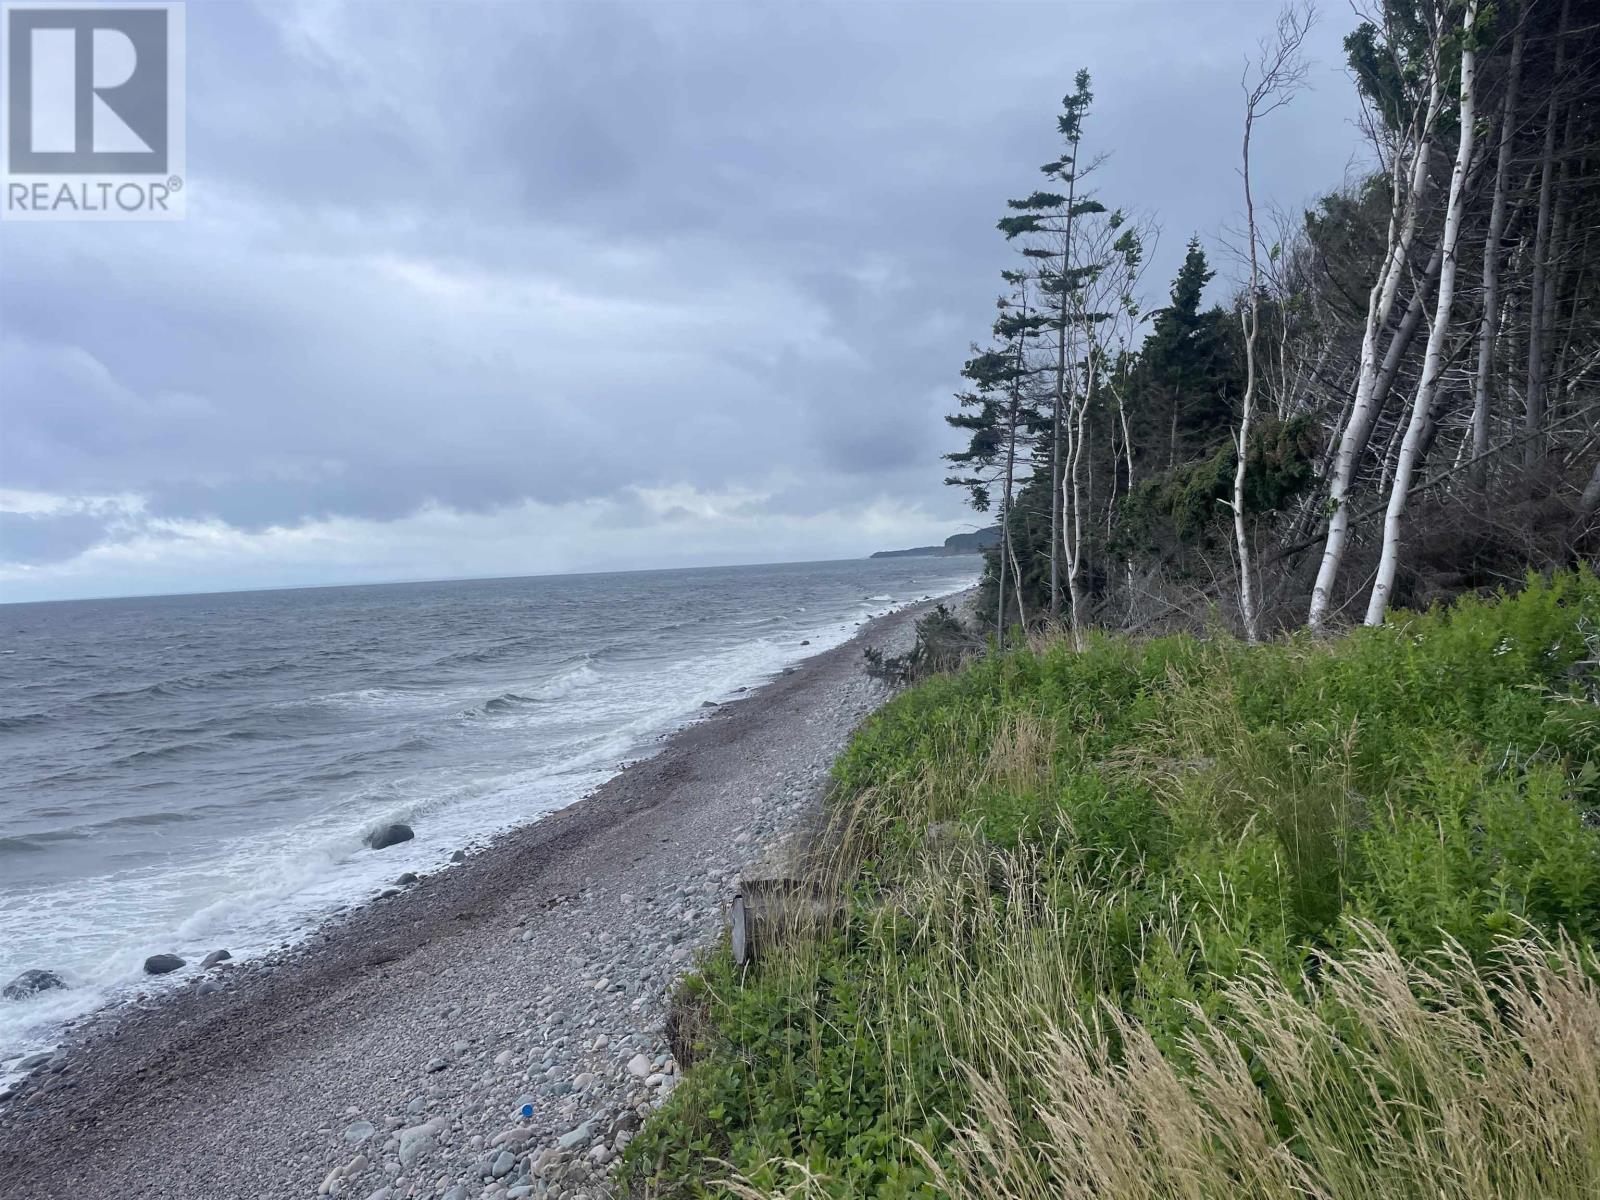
(357, 1132)
(639, 1066)
(437, 1064)
(30, 983)
(503, 1163)
(574, 1138)
(406, 878)
(459, 856)
(214, 958)
(162, 964)
(388, 835)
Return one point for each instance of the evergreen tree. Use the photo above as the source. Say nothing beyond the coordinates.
(1188, 379)
(1047, 218)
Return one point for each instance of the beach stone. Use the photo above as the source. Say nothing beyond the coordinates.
(30, 983)
(459, 856)
(206, 987)
(214, 958)
(34, 1060)
(627, 1122)
(639, 1066)
(503, 1163)
(416, 1141)
(162, 964)
(358, 1131)
(392, 834)
(574, 1138)
(406, 877)
(438, 1064)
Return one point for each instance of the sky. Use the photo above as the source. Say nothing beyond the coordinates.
(485, 289)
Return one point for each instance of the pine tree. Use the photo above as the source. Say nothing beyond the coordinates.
(1047, 219)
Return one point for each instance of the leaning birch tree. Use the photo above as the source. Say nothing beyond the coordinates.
(1433, 362)
(1411, 149)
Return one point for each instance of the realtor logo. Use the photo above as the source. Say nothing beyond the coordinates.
(93, 108)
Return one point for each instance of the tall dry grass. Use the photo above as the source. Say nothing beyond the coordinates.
(1166, 921)
(1381, 1079)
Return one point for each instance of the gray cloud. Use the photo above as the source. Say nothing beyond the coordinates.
(474, 256)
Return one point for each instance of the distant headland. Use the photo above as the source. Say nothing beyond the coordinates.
(957, 543)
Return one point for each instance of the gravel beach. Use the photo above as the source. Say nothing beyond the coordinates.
(397, 1052)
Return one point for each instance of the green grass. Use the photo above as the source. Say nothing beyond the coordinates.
(1282, 918)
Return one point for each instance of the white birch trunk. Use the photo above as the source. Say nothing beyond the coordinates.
(1358, 428)
(1411, 448)
(1247, 599)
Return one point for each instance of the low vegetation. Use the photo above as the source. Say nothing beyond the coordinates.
(1188, 918)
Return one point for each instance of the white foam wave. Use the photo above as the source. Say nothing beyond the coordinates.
(260, 888)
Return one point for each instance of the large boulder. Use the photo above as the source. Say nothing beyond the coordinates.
(392, 834)
(162, 964)
(30, 983)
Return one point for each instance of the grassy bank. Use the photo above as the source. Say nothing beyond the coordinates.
(1187, 918)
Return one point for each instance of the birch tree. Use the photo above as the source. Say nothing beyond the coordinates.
(1269, 83)
(1418, 427)
(1408, 175)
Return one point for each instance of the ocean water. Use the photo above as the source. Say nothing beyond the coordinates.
(183, 773)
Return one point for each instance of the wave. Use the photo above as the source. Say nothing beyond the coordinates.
(30, 720)
(502, 703)
(579, 677)
(492, 652)
(34, 843)
(182, 749)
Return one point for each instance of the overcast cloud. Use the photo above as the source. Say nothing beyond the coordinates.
(510, 288)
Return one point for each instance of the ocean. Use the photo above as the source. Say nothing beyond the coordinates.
(187, 773)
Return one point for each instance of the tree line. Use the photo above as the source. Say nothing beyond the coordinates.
(1398, 404)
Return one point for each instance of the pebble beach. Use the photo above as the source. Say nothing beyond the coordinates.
(496, 1029)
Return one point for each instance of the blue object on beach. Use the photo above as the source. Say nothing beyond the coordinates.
(527, 1111)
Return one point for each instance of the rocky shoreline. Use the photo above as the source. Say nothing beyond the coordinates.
(494, 1030)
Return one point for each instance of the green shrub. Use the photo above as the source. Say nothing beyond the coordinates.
(1125, 838)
